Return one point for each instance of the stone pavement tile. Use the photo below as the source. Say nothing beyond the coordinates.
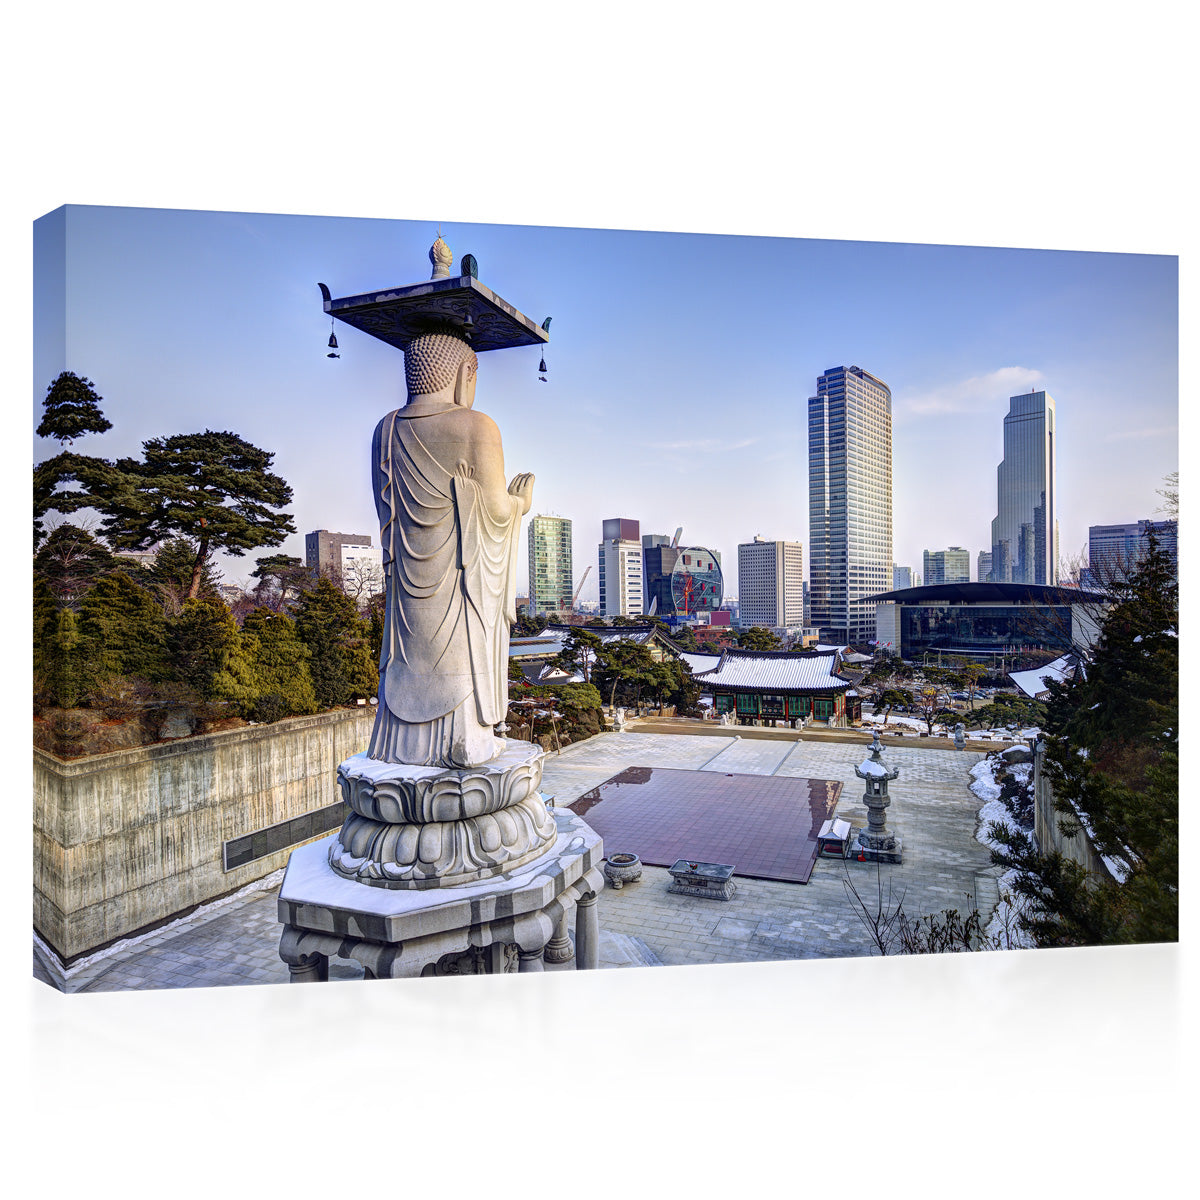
(932, 809)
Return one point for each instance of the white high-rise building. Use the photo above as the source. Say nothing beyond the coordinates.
(621, 583)
(771, 584)
(849, 502)
(1025, 530)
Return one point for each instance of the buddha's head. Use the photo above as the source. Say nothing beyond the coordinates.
(441, 364)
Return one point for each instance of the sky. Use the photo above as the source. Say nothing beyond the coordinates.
(679, 365)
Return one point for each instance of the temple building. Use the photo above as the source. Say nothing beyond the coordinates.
(758, 686)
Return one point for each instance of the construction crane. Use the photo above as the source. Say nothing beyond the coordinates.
(579, 589)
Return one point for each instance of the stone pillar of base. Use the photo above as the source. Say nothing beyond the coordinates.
(559, 948)
(587, 933)
(311, 968)
(531, 960)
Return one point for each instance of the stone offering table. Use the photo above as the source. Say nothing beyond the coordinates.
(492, 926)
(711, 881)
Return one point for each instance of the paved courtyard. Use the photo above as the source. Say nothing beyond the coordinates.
(932, 810)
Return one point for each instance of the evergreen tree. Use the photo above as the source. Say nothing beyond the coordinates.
(205, 652)
(213, 488)
(58, 661)
(123, 631)
(579, 652)
(1112, 761)
(70, 561)
(279, 662)
(172, 571)
(685, 638)
(757, 638)
(71, 409)
(281, 577)
(339, 642)
(52, 491)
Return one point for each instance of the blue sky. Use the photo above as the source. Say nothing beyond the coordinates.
(680, 365)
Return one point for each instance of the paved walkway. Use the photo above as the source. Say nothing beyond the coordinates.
(643, 924)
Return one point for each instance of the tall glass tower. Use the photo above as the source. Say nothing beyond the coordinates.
(1025, 531)
(849, 502)
(550, 569)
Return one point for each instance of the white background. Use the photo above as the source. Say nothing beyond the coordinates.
(1045, 125)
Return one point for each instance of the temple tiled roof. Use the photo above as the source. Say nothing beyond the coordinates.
(700, 663)
(773, 671)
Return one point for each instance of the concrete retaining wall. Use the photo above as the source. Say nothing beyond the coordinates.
(1048, 825)
(128, 839)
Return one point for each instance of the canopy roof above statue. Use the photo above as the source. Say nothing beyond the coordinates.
(398, 315)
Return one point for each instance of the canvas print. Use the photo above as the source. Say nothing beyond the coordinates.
(418, 599)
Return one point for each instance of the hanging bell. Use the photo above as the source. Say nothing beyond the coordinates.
(542, 365)
(332, 343)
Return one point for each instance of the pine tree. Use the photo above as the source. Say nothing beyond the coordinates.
(1112, 761)
(205, 652)
(279, 661)
(171, 573)
(58, 660)
(71, 561)
(123, 631)
(339, 642)
(71, 409)
(214, 488)
(757, 638)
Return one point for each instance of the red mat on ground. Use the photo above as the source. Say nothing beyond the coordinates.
(766, 826)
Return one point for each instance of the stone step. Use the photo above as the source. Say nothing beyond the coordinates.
(622, 949)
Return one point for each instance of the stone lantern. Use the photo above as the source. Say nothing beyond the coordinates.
(877, 842)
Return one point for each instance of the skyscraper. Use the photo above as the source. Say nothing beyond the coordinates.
(551, 577)
(849, 501)
(947, 566)
(983, 568)
(771, 584)
(901, 577)
(620, 555)
(1025, 521)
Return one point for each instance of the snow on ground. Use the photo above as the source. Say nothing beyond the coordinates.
(995, 733)
(987, 790)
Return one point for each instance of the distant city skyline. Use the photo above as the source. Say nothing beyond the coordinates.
(679, 365)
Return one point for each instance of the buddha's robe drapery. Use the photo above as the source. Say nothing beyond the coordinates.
(449, 560)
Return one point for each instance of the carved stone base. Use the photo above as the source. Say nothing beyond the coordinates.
(871, 847)
(488, 926)
(429, 827)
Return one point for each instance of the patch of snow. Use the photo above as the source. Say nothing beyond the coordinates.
(874, 769)
(992, 810)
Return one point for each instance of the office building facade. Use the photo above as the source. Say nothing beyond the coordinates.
(947, 566)
(771, 584)
(1115, 549)
(902, 577)
(849, 502)
(551, 574)
(620, 555)
(983, 566)
(1025, 529)
(326, 552)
